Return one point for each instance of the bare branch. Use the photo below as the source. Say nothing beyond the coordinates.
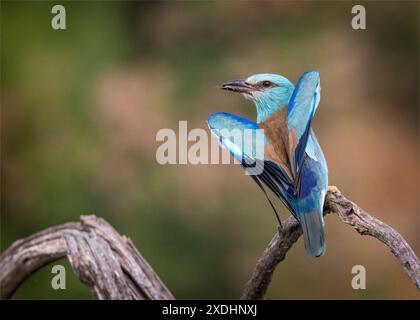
(350, 214)
(112, 268)
(105, 261)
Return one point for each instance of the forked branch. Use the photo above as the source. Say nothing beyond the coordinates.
(112, 268)
(350, 214)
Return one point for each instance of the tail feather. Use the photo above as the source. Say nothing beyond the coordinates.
(313, 231)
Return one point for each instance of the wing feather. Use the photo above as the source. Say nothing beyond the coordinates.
(301, 110)
(271, 174)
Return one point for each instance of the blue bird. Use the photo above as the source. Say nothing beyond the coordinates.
(292, 163)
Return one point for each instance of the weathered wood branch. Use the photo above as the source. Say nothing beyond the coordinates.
(112, 268)
(350, 214)
(108, 263)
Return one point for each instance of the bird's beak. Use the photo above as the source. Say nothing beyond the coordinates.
(240, 86)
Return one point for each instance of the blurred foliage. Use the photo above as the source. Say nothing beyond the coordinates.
(80, 109)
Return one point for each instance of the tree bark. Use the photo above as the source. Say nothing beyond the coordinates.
(108, 263)
(112, 268)
(350, 214)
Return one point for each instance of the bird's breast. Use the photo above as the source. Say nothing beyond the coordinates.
(277, 133)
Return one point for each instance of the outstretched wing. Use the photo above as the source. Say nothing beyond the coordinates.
(225, 127)
(238, 135)
(301, 110)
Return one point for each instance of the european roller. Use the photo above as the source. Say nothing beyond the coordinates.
(293, 164)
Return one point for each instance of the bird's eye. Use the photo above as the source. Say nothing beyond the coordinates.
(266, 84)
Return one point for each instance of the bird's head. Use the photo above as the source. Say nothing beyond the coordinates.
(269, 92)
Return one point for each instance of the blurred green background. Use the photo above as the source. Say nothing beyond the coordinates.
(80, 110)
